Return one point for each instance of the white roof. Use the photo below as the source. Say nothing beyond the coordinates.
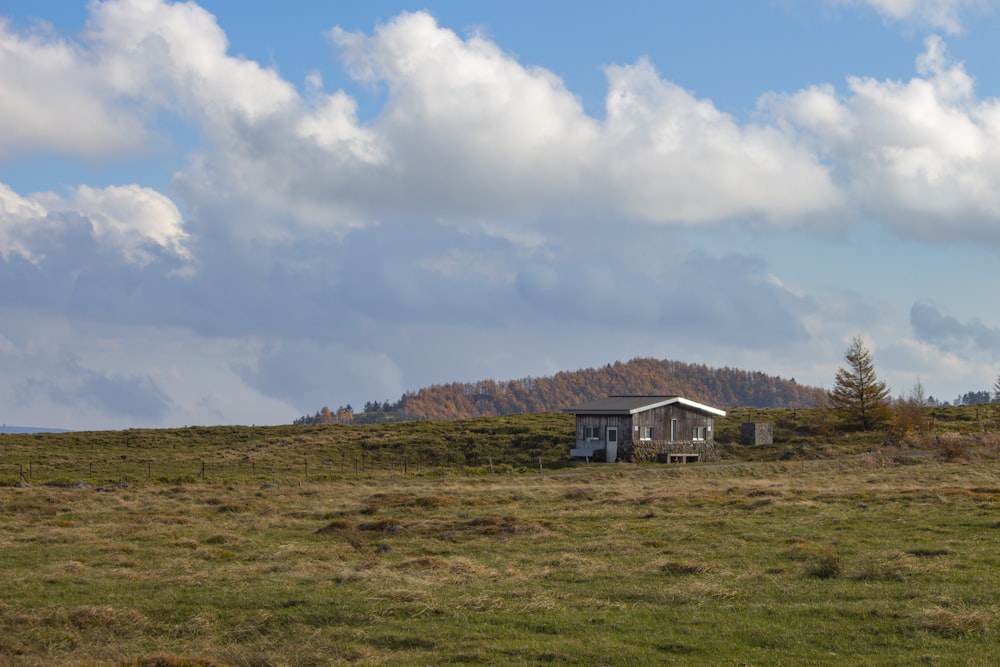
(633, 404)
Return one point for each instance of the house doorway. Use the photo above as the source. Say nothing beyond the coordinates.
(611, 445)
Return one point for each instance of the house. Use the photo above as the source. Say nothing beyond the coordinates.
(668, 429)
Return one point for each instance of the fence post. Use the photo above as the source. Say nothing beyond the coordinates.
(540, 470)
(203, 470)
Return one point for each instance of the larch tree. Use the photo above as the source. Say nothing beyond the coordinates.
(860, 399)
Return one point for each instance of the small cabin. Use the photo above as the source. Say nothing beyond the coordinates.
(668, 429)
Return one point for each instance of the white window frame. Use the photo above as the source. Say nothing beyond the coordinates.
(699, 433)
(591, 432)
(646, 433)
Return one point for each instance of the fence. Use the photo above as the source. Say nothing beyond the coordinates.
(98, 471)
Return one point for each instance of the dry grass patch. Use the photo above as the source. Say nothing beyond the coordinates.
(523, 569)
(173, 660)
(951, 622)
(672, 568)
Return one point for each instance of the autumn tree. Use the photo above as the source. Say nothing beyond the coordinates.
(911, 416)
(860, 399)
(996, 389)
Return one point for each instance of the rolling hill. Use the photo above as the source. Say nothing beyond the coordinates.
(724, 387)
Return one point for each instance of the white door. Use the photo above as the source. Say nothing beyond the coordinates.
(611, 445)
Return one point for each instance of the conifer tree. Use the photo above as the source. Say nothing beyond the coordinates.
(860, 399)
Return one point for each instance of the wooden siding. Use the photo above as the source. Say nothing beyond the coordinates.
(632, 448)
(602, 422)
(659, 420)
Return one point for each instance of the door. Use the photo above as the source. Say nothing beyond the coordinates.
(611, 445)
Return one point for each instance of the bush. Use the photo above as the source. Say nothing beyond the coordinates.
(952, 447)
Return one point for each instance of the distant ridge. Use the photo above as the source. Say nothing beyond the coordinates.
(722, 387)
(30, 429)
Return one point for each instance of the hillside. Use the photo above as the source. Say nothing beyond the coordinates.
(725, 387)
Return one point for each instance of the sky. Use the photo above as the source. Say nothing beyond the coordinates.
(237, 213)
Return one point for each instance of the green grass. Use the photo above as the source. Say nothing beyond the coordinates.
(284, 453)
(489, 445)
(839, 556)
(851, 561)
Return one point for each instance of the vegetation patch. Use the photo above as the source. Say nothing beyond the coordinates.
(859, 558)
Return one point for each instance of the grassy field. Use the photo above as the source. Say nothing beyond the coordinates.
(485, 446)
(871, 558)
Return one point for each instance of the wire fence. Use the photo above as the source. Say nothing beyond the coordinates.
(99, 471)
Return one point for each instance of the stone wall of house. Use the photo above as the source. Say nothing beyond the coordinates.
(642, 451)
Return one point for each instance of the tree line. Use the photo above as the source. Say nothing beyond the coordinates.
(724, 387)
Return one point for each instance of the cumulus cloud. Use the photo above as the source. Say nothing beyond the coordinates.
(173, 55)
(920, 155)
(466, 131)
(56, 98)
(937, 14)
(673, 157)
(132, 219)
(457, 226)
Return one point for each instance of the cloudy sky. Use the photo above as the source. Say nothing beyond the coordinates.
(224, 212)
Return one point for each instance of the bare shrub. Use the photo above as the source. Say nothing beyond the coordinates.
(952, 447)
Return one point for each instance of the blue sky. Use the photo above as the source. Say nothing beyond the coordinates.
(238, 213)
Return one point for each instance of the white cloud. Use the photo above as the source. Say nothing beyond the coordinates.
(129, 218)
(672, 157)
(19, 217)
(921, 155)
(175, 55)
(466, 131)
(937, 14)
(467, 127)
(451, 235)
(56, 98)
(469, 133)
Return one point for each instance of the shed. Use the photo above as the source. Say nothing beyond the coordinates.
(757, 433)
(645, 428)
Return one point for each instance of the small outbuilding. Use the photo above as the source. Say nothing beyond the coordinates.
(757, 433)
(669, 429)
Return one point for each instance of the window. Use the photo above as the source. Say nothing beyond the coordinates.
(673, 430)
(591, 433)
(698, 433)
(612, 434)
(647, 433)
